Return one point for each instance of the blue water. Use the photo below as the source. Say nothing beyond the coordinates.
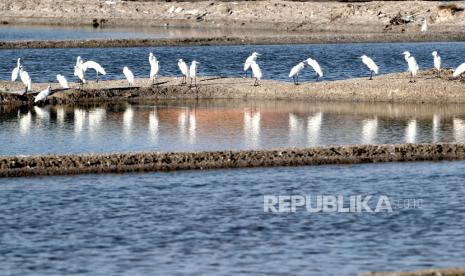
(29, 33)
(223, 125)
(338, 61)
(212, 222)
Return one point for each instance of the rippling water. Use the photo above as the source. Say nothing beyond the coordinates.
(338, 61)
(212, 222)
(223, 124)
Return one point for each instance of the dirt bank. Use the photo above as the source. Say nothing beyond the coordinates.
(401, 16)
(385, 88)
(427, 272)
(170, 161)
(313, 38)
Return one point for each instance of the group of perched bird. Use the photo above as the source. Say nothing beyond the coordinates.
(190, 72)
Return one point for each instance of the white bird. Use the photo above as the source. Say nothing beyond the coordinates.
(371, 65)
(93, 65)
(295, 72)
(184, 70)
(63, 82)
(154, 68)
(15, 72)
(193, 72)
(412, 65)
(424, 26)
(459, 70)
(25, 79)
(79, 61)
(42, 96)
(257, 73)
(437, 62)
(248, 62)
(129, 76)
(79, 72)
(316, 67)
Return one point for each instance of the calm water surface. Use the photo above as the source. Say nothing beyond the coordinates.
(26, 32)
(338, 61)
(222, 125)
(212, 222)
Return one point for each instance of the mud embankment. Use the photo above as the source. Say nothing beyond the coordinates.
(171, 161)
(313, 38)
(385, 88)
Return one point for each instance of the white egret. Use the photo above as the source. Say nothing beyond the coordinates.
(25, 78)
(154, 68)
(79, 61)
(129, 76)
(184, 70)
(371, 65)
(459, 70)
(15, 72)
(63, 82)
(93, 65)
(316, 67)
(437, 62)
(424, 26)
(257, 73)
(412, 65)
(42, 96)
(248, 62)
(79, 72)
(193, 72)
(294, 74)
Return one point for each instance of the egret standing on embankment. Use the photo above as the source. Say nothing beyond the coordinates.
(42, 96)
(257, 73)
(248, 62)
(63, 82)
(154, 68)
(25, 78)
(316, 67)
(15, 72)
(412, 65)
(459, 70)
(371, 65)
(294, 74)
(93, 65)
(437, 62)
(79, 72)
(184, 70)
(193, 72)
(129, 76)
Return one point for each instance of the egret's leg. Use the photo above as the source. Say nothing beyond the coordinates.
(195, 80)
(439, 73)
(97, 77)
(371, 75)
(297, 77)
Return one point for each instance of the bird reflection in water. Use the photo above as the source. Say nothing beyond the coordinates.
(25, 122)
(153, 124)
(128, 117)
(252, 128)
(313, 129)
(459, 130)
(411, 131)
(369, 130)
(187, 123)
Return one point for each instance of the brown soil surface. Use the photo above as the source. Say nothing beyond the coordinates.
(399, 19)
(385, 88)
(170, 161)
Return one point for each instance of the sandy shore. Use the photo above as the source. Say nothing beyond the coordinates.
(171, 161)
(385, 88)
(350, 22)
